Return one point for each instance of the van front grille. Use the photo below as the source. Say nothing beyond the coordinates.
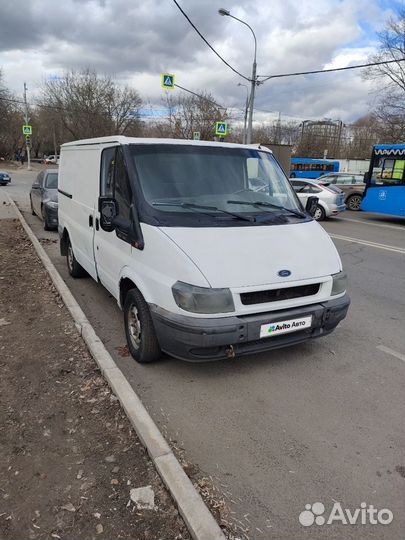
(276, 295)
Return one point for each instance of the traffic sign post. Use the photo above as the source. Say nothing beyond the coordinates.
(27, 129)
(196, 135)
(221, 129)
(168, 81)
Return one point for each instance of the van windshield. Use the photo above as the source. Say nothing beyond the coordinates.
(213, 180)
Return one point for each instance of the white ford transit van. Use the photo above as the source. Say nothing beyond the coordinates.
(205, 246)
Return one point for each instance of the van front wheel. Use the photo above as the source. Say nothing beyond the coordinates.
(140, 332)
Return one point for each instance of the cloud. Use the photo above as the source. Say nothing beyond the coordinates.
(136, 41)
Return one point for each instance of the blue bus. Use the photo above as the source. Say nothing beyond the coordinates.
(385, 182)
(312, 168)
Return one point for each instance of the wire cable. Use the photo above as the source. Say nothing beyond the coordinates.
(209, 44)
(357, 66)
(201, 97)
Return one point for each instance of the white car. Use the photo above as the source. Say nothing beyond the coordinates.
(51, 160)
(331, 199)
(203, 265)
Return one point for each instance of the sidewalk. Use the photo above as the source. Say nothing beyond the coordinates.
(68, 455)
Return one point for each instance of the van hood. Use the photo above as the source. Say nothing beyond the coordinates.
(251, 256)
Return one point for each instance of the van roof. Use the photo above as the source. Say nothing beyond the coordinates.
(120, 139)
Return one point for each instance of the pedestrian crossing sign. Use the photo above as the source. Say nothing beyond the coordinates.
(168, 81)
(27, 129)
(221, 128)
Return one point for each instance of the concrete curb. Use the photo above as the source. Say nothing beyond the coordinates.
(199, 520)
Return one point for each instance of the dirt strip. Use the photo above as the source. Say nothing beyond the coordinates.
(69, 458)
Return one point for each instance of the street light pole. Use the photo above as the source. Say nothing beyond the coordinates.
(246, 111)
(252, 100)
(226, 13)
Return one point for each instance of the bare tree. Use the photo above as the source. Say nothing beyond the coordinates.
(278, 132)
(390, 78)
(87, 105)
(193, 113)
(359, 138)
(11, 120)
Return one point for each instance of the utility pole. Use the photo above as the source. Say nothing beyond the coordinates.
(27, 121)
(278, 130)
(54, 143)
(252, 100)
(246, 112)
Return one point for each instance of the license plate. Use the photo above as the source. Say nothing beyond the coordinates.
(284, 327)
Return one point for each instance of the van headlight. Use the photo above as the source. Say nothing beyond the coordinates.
(202, 299)
(339, 283)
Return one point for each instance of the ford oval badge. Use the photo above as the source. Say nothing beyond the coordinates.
(284, 273)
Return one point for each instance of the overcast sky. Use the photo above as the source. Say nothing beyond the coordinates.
(135, 41)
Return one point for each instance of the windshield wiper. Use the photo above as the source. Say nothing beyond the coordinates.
(193, 206)
(270, 205)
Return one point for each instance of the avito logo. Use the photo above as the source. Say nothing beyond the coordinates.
(285, 326)
(364, 515)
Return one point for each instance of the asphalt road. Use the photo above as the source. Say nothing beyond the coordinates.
(319, 422)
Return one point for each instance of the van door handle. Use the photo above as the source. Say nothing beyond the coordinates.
(90, 221)
(97, 224)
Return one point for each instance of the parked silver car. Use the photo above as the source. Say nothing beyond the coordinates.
(352, 185)
(44, 198)
(331, 198)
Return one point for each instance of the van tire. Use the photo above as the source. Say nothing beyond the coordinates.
(32, 207)
(139, 330)
(320, 214)
(74, 268)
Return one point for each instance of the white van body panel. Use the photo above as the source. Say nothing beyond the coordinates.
(78, 185)
(253, 256)
(158, 266)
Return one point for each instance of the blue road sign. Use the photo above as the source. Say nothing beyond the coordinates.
(221, 128)
(168, 81)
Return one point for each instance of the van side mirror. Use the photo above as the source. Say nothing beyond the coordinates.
(108, 208)
(311, 206)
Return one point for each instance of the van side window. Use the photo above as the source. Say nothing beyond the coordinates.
(122, 188)
(107, 172)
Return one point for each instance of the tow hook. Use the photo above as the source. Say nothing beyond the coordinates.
(230, 353)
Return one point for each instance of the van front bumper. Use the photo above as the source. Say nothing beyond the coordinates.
(200, 339)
